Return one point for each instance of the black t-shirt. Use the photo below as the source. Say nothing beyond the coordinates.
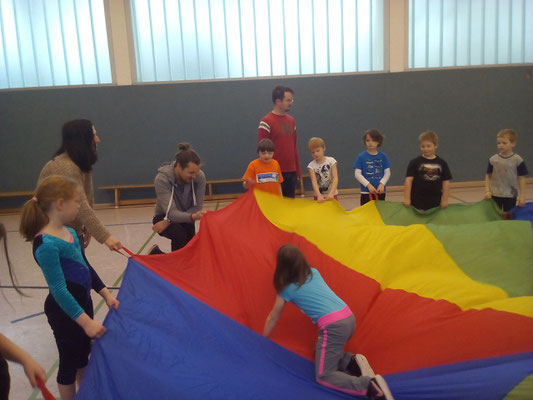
(428, 175)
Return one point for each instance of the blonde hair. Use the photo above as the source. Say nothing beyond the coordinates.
(429, 136)
(34, 213)
(508, 133)
(315, 142)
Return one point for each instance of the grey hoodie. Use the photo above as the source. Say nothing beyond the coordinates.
(187, 198)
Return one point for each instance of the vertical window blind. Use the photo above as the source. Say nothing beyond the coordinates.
(53, 43)
(216, 39)
(64, 42)
(445, 33)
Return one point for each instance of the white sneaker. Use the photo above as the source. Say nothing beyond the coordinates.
(384, 387)
(364, 366)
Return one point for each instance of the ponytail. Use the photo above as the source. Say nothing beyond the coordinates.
(32, 220)
(35, 211)
(185, 155)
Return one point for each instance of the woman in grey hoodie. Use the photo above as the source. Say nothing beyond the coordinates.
(180, 190)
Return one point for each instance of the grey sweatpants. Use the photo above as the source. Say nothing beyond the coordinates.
(331, 360)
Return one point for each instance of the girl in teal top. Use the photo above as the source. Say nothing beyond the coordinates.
(59, 253)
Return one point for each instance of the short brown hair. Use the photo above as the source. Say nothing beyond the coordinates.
(279, 93)
(429, 136)
(375, 135)
(265, 145)
(315, 142)
(508, 133)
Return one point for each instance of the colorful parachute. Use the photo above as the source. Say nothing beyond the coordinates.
(443, 303)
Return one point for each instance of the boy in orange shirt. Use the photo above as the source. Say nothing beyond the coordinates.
(264, 171)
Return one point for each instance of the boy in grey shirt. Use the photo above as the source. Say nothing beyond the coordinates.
(506, 172)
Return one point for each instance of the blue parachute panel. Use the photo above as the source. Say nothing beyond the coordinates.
(488, 379)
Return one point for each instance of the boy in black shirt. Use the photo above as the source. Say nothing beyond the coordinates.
(427, 182)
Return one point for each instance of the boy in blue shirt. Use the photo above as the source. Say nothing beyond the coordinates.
(372, 167)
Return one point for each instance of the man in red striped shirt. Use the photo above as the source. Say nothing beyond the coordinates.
(280, 127)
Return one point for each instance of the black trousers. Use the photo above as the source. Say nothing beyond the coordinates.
(73, 344)
(505, 203)
(365, 197)
(179, 234)
(288, 186)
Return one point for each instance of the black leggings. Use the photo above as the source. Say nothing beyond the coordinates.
(73, 344)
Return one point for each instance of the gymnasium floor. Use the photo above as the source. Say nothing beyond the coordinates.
(22, 319)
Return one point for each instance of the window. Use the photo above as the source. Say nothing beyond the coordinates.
(53, 43)
(446, 33)
(217, 39)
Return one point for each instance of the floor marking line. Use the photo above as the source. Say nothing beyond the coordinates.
(41, 287)
(27, 317)
(42, 312)
(458, 198)
(22, 287)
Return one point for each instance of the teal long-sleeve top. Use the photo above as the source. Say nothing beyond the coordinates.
(64, 264)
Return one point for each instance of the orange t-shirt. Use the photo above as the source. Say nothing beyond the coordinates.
(267, 176)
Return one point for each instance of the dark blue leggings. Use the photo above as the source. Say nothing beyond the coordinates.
(288, 186)
(73, 344)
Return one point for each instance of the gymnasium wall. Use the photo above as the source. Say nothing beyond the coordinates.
(140, 125)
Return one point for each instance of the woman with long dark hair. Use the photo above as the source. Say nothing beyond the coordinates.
(75, 160)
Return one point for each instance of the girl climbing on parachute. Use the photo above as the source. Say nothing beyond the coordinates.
(296, 281)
